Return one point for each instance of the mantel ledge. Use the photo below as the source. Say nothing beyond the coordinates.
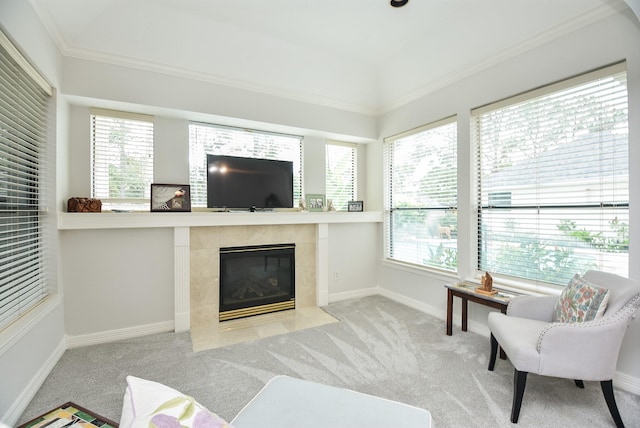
(132, 220)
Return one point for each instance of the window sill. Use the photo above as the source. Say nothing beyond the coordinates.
(23, 325)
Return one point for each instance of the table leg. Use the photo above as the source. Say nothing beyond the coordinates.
(464, 313)
(449, 329)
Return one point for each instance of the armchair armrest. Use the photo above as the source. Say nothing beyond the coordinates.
(585, 351)
(533, 307)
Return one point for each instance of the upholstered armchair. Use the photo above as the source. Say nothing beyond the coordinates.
(583, 350)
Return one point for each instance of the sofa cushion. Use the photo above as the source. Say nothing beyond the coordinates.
(581, 301)
(152, 404)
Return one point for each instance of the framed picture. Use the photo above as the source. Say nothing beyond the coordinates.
(315, 202)
(170, 197)
(355, 206)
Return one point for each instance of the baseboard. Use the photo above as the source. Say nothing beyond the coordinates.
(21, 403)
(413, 303)
(627, 383)
(121, 334)
(356, 294)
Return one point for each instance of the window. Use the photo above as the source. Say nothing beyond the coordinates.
(122, 150)
(24, 107)
(222, 140)
(421, 200)
(341, 174)
(553, 180)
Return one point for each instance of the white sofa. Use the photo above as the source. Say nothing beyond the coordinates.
(283, 402)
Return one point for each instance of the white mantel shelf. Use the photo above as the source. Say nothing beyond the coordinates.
(133, 220)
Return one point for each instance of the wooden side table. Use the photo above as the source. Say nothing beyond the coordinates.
(466, 292)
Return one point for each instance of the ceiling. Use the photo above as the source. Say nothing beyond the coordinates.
(356, 55)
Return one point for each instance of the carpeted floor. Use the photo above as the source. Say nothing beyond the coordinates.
(379, 347)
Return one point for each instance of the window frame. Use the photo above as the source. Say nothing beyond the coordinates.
(144, 129)
(445, 259)
(24, 138)
(531, 284)
(199, 184)
(341, 204)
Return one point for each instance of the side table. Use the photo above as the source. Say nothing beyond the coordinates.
(466, 292)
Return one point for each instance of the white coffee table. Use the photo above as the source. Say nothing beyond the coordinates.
(291, 402)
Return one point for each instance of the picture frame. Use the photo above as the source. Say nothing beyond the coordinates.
(315, 202)
(170, 197)
(355, 206)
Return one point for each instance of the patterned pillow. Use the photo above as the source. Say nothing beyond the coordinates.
(149, 404)
(581, 301)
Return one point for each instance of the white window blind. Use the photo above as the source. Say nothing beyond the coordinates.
(24, 105)
(553, 180)
(341, 174)
(122, 163)
(421, 186)
(223, 140)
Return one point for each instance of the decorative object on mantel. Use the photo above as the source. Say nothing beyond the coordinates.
(84, 205)
(170, 197)
(486, 285)
(355, 206)
(301, 205)
(330, 206)
(315, 202)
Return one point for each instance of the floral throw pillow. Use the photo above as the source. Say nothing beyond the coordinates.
(149, 404)
(581, 301)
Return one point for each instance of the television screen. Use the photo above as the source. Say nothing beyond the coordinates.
(236, 182)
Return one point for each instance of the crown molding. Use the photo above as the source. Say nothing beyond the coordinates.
(588, 17)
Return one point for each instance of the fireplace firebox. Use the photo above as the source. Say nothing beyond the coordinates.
(256, 280)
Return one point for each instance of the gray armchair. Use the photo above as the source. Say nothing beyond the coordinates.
(579, 351)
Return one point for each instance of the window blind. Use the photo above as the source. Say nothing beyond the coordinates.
(122, 158)
(553, 179)
(421, 196)
(341, 174)
(24, 104)
(223, 140)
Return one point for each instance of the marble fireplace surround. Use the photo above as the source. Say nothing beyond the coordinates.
(204, 263)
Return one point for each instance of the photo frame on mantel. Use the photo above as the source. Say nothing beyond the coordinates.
(315, 202)
(355, 206)
(170, 197)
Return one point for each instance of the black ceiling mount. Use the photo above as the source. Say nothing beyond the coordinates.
(398, 3)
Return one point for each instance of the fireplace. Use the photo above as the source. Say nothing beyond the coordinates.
(256, 280)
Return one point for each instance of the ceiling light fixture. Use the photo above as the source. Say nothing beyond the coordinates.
(398, 3)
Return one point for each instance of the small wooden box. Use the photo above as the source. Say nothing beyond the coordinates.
(84, 205)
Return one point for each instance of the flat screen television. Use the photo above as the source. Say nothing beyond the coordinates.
(248, 183)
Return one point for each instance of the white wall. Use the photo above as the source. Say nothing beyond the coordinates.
(603, 43)
(354, 251)
(30, 347)
(117, 280)
(155, 93)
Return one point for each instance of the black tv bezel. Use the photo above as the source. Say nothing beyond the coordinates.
(257, 164)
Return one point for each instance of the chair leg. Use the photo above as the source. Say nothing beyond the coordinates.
(579, 383)
(494, 351)
(519, 382)
(607, 390)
